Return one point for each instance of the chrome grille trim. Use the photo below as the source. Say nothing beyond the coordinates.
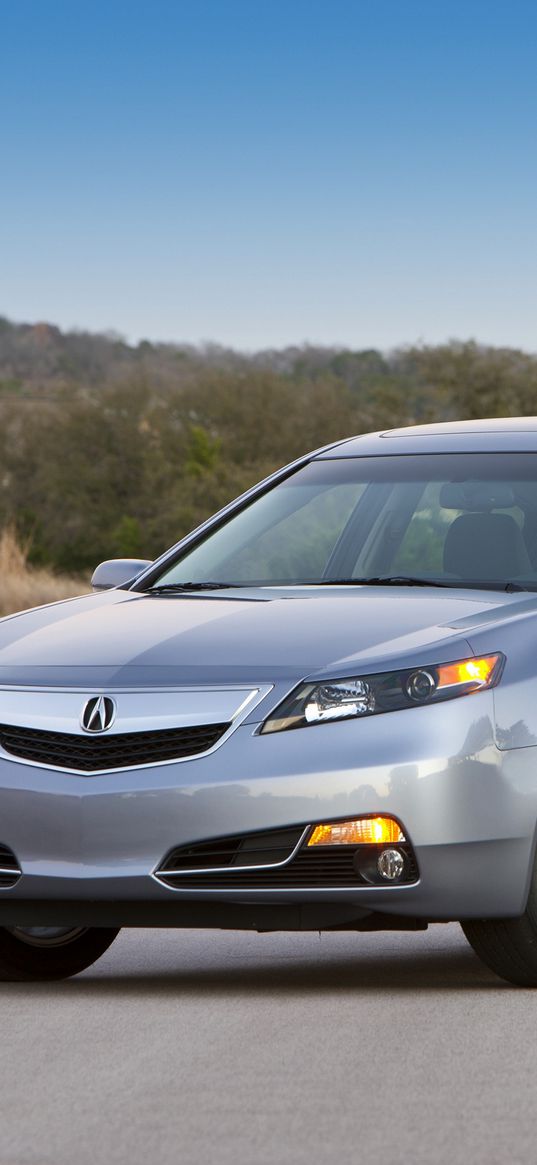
(44, 709)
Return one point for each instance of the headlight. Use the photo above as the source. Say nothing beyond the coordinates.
(387, 692)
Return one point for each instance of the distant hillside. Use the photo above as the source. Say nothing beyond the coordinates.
(111, 449)
(40, 357)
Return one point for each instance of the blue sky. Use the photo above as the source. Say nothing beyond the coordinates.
(271, 172)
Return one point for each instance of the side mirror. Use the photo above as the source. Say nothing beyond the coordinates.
(117, 571)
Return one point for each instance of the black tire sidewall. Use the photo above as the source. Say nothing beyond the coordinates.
(22, 961)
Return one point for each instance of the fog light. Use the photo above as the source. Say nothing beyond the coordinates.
(362, 831)
(391, 864)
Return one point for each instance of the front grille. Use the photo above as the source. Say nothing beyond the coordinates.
(315, 867)
(120, 750)
(10, 871)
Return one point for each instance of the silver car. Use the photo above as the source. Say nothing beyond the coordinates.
(316, 712)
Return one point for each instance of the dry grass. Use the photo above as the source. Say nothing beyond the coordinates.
(23, 586)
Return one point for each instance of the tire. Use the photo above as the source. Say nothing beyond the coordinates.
(37, 954)
(508, 945)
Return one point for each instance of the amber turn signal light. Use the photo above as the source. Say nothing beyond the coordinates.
(476, 672)
(361, 831)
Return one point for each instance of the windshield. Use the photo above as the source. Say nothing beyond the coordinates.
(457, 519)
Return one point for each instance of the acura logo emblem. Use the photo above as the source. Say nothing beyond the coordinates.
(98, 714)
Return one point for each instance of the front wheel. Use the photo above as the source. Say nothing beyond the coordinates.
(508, 945)
(36, 953)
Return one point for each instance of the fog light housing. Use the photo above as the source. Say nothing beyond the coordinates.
(359, 831)
(391, 864)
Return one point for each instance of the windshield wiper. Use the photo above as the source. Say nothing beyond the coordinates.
(385, 580)
(404, 580)
(381, 580)
(179, 588)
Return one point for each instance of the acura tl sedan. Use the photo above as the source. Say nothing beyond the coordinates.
(318, 711)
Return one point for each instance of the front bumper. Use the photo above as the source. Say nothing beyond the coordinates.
(90, 844)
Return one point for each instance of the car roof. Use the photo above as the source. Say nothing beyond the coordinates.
(497, 435)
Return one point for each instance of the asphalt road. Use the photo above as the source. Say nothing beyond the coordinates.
(214, 1048)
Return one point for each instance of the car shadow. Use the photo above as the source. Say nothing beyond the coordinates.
(407, 973)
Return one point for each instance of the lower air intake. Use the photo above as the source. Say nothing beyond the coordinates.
(276, 860)
(235, 852)
(10, 870)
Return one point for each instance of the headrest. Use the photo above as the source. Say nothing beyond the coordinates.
(485, 546)
(476, 496)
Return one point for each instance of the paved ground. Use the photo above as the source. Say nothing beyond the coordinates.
(202, 1048)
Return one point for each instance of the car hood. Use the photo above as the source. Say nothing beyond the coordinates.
(121, 638)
